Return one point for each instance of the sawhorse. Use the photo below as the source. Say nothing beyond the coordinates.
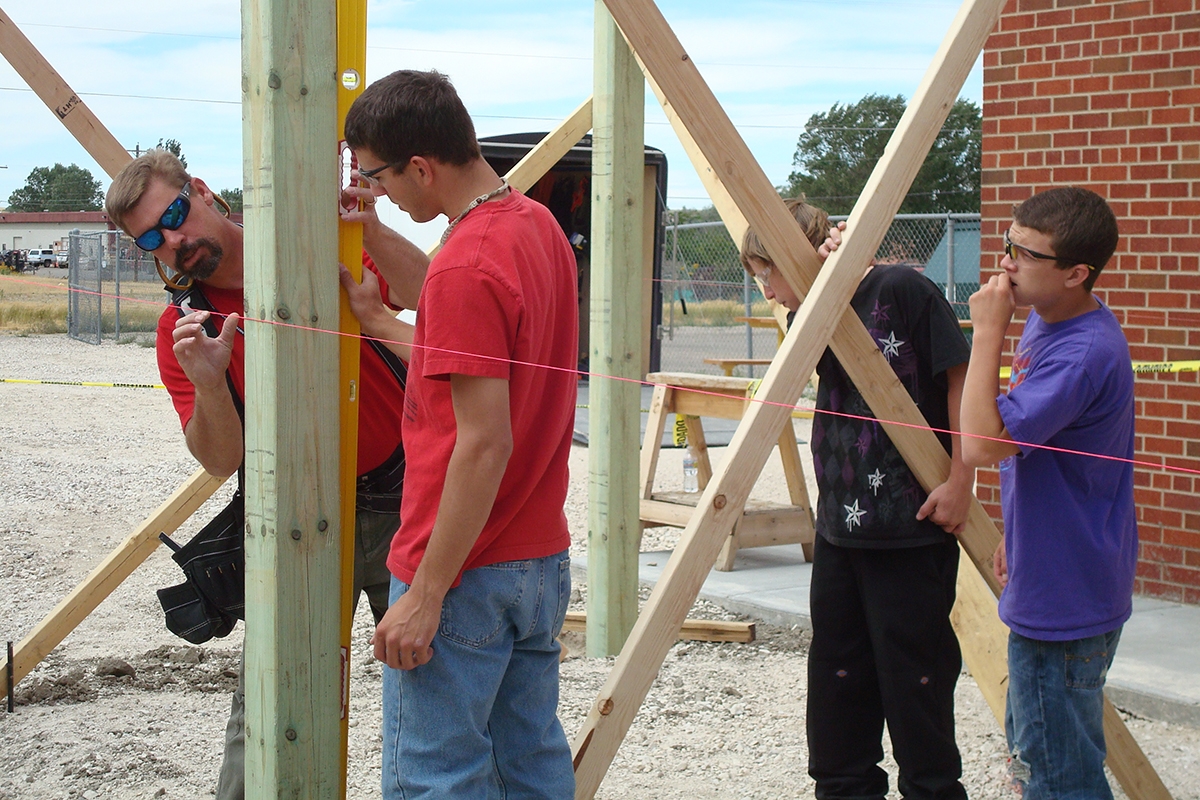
(762, 523)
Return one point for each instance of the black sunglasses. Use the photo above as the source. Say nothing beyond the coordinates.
(175, 215)
(1010, 250)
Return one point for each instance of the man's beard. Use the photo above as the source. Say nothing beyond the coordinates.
(205, 266)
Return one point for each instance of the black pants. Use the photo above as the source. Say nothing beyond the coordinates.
(883, 649)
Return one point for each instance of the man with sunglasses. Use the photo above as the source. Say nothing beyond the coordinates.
(481, 574)
(174, 216)
(1070, 543)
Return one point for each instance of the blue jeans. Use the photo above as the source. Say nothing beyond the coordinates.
(1054, 718)
(480, 719)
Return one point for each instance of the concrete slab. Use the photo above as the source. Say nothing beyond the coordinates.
(1156, 673)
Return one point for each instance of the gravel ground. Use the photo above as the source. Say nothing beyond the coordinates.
(122, 709)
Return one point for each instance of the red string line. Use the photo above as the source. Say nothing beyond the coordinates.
(639, 382)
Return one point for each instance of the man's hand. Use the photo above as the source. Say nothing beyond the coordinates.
(1000, 565)
(947, 507)
(993, 305)
(404, 636)
(354, 196)
(365, 300)
(204, 360)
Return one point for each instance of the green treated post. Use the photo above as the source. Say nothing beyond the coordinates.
(293, 659)
(614, 529)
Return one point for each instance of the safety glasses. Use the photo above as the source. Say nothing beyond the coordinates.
(175, 215)
(368, 175)
(1011, 249)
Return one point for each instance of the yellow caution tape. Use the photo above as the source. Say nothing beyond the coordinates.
(680, 430)
(87, 383)
(1142, 367)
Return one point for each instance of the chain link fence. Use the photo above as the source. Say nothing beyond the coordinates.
(713, 311)
(115, 290)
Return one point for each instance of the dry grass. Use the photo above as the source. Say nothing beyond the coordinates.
(29, 304)
(713, 313)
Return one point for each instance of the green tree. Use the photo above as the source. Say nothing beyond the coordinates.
(58, 188)
(173, 147)
(234, 198)
(838, 150)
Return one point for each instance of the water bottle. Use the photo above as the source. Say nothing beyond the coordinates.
(691, 474)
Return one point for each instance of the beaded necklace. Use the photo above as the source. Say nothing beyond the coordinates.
(478, 201)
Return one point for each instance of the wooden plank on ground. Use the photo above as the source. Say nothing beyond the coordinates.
(695, 630)
(109, 573)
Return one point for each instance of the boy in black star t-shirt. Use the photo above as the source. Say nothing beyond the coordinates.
(885, 560)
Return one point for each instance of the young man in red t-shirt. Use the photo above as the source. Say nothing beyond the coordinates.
(480, 566)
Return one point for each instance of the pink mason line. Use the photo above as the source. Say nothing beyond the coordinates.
(639, 382)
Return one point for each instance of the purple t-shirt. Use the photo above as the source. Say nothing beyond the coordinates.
(1070, 529)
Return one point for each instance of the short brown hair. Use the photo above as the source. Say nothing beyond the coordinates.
(411, 113)
(813, 221)
(1081, 226)
(130, 184)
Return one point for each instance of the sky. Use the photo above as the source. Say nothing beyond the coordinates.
(151, 71)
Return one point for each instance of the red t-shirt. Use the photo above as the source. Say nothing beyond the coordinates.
(382, 398)
(502, 287)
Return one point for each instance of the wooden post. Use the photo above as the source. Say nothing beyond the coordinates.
(293, 528)
(614, 529)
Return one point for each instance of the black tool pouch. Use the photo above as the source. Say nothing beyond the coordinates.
(208, 604)
(214, 595)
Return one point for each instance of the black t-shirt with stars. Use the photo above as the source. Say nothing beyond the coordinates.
(867, 495)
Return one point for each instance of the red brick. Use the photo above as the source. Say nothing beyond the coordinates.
(1039, 175)
(1185, 134)
(1147, 135)
(1163, 591)
(1016, 159)
(1111, 64)
(1072, 33)
(1170, 116)
(1181, 77)
(1149, 99)
(1016, 125)
(1092, 84)
(1034, 141)
(1138, 80)
(1182, 576)
(1035, 72)
(1070, 174)
(1094, 120)
(1143, 61)
(1109, 101)
(1038, 105)
(1187, 21)
(1151, 24)
(1150, 172)
(1113, 136)
(1137, 8)
(1109, 173)
(1071, 68)
(1184, 58)
(1162, 554)
(1081, 103)
(999, 75)
(1171, 6)
(1035, 36)
(1112, 30)
(1005, 108)
(1065, 139)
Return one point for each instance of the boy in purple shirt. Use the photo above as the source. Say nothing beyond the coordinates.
(1070, 543)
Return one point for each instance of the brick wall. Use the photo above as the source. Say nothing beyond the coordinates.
(1104, 95)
